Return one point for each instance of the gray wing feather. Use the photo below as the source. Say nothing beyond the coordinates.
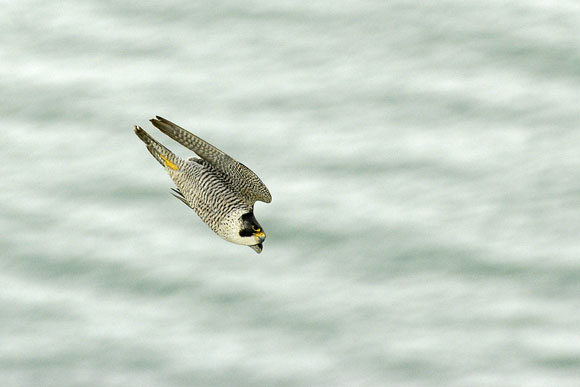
(240, 177)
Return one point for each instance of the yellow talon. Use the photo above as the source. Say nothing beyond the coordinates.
(169, 163)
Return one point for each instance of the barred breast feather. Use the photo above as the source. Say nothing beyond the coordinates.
(203, 188)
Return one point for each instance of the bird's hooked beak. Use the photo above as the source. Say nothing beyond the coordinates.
(260, 237)
(258, 234)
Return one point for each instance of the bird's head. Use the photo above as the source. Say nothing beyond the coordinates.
(251, 233)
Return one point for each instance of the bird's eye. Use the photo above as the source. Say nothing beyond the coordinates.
(256, 229)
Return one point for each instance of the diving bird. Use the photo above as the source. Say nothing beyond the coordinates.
(221, 190)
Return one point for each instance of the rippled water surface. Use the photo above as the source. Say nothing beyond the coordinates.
(424, 163)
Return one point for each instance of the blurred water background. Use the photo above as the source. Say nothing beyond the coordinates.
(424, 162)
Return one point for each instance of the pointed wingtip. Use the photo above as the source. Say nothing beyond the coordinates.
(161, 123)
(158, 119)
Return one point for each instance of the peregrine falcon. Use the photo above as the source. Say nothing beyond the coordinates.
(221, 190)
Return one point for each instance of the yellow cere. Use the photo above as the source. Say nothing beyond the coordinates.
(169, 163)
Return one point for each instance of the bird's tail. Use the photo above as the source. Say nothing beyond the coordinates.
(163, 155)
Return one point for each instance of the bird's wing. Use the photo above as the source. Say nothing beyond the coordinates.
(241, 178)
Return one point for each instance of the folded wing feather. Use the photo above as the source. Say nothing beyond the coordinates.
(240, 177)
